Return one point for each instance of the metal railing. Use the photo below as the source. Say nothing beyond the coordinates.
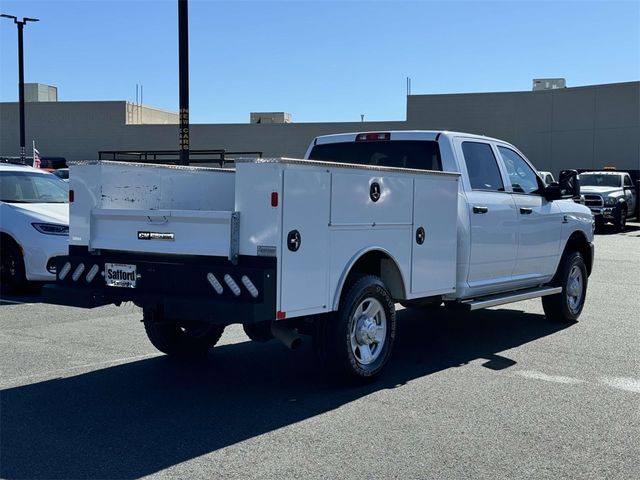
(172, 157)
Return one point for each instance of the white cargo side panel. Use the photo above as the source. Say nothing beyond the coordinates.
(433, 263)
(304, 272)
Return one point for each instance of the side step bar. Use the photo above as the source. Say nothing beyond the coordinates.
(510, 297)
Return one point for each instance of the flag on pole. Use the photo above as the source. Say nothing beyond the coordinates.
(36, 156)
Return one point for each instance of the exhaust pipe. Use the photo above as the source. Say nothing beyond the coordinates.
(287, 336)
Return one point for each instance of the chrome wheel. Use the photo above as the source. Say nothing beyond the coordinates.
(368, 331)
(575, 289)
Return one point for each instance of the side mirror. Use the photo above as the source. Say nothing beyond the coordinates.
(568, 186)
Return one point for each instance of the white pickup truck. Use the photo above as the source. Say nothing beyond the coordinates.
(610, 195)
(327, 245)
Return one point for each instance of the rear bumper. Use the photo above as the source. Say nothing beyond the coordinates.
(177, 285)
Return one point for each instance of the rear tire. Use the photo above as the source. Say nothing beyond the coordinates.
(193, 339)
(258, 332)
(567, 305)
(355, 343)
(12, 272)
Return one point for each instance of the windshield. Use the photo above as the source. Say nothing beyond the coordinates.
(31, 187)
(600, 180)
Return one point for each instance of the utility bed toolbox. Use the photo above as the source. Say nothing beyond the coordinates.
(313, 219)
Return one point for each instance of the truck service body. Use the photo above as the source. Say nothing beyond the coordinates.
(325, 245)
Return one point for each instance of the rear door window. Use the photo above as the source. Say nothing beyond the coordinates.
(482, 167)
(420, 155)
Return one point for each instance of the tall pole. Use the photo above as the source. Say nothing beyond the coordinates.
(183, 53)
(21, 90)
(21, 24)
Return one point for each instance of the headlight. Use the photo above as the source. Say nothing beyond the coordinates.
(610, 201)
(51, 228)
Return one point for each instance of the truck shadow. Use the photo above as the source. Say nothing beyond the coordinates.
(135, 419)
(31, 293)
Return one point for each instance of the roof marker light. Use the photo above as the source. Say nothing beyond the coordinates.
(373, 137)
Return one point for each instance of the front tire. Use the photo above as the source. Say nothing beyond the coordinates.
(356, 342)
(192, 339)
(621, 220)
(567, 305)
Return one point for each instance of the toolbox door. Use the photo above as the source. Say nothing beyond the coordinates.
(434, 237)
(305, 237)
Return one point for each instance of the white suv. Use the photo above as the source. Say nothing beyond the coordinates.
(34, 225)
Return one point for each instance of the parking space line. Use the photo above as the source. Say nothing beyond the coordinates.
(623, 383)
(548, 378)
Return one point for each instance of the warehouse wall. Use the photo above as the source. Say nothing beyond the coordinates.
(70, 129)
(581, 127)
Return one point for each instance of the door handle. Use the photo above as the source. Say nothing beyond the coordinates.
(525, 210)
(480, 209)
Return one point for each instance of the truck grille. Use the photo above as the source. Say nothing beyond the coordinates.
(593, 200)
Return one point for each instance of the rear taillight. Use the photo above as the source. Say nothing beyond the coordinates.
(274, 199)
(372, 137)
(71, 196)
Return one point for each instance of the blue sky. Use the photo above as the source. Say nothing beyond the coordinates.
(320, 61)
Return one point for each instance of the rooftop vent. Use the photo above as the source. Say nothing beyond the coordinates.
(549, 83)
(270, 117)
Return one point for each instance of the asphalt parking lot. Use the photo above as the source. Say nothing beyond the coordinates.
(500, 393)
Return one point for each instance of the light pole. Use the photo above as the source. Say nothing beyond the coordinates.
(183, 67)
(21, 24)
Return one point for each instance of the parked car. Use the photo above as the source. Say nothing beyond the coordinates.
(34, 225)
(53, 163)
(610, 195)
(547, 177)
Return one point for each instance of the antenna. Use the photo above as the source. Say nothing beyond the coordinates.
(408, 86)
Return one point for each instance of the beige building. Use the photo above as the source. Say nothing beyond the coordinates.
(580, 127)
